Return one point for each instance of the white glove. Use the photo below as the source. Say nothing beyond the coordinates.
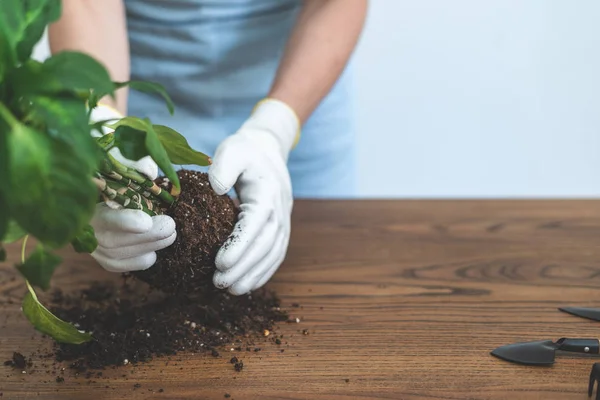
(128, 239)
(254, 159)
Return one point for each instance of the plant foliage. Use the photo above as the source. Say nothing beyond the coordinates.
(54, 170)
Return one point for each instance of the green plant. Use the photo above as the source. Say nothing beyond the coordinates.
(54, 171)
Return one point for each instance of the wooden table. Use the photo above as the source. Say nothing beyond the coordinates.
(402, 299)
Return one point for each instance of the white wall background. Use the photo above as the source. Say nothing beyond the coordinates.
(471, 98)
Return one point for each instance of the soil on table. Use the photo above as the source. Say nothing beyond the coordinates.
(204, 221)
(187, 313)
(134, 322)
(129, 328)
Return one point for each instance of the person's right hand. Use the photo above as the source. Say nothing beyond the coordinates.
(128, 239)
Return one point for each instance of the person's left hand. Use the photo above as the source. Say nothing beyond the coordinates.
(128, 239)
(254, 160)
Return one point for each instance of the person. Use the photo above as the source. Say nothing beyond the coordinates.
(262, 85)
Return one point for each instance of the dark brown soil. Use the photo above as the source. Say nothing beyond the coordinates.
(17, 361)
(203, 222)
(129, 328)
(239, 366)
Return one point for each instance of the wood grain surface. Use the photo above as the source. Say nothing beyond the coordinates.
(402, 299)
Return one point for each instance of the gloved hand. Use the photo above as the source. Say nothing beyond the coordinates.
(254, 160)
(128, 239)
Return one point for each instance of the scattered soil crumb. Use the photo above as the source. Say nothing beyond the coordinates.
(239, 366)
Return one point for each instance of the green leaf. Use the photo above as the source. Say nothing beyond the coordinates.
(131, 142)
(93, 100)
(128, 141)
(66, 119)
(4, 217)
(149, 87)
(4, 210)
(6, 62)
(132, 122)
(98, 125)
(2, 253)
(78, 71)
(64, 71)
(38, 14)
(52, 9)
(178, 148)
(12, 31)
(45, 322)
(39, 267)
(85, 241)
(160, 156)
(22, 24)
(13, 233)
(48, 187)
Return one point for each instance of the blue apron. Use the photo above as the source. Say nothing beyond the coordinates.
(217, 58)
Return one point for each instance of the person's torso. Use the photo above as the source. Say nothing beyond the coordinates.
(222, 50)
(211, 11)
(216, 59)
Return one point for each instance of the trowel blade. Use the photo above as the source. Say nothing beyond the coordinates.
(589, 313)
(528, 353)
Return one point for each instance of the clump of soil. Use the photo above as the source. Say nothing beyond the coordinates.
(128, 327)
(203, 222)
(17, 361)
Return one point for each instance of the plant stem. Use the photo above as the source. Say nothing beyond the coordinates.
(147, 205)
(130, 184)
(123, 172)
(107, 141)
(23, 248)
(31, 291)
(121, 195)
(23, 245)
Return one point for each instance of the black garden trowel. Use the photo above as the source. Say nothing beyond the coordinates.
(589, 313)
(543, 352)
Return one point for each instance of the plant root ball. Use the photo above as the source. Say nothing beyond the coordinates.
(204, 221)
